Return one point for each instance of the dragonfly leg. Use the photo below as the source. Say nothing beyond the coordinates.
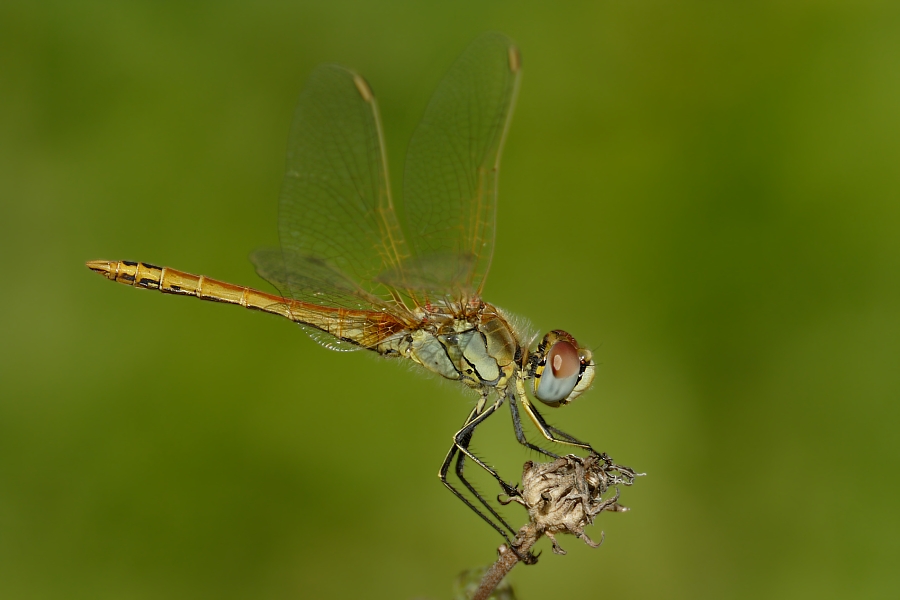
(460, 465)
(548, 431)
(563, 434)
(466, 433)
(445, 468)
(520, 433)
(551, 434)
(460, 450)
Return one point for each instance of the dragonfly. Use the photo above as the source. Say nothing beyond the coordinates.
(354, 278)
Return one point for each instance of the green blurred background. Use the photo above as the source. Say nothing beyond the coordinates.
(706, 191)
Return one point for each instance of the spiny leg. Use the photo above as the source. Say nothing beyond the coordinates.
(563, 434)
(461, 444)
(445, 467)
(460, 465)
(564, 438)
(520, 433)
(528, 558)
(467, 429)
(548, 431)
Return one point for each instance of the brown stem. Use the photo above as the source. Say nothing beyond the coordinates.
(524, 541)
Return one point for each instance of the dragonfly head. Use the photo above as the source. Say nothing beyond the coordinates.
(561, 368)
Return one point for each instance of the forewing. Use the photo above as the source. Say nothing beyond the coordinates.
(336, 221)
(450, 180)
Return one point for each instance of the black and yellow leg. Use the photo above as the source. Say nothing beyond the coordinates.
(460, 451)
(549, 432)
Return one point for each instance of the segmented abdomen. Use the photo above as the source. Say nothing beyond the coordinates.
(364, 328)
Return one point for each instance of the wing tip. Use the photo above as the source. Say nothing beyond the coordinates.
(362, 86)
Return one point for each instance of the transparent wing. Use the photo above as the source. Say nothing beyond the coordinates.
(311, 279)
(336, 223)
(450, 181)
(353, 326)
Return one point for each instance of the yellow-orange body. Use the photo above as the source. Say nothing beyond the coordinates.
(361, 327)
(475, 345)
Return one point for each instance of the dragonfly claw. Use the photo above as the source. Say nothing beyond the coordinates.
(510, 490)
(528, 558)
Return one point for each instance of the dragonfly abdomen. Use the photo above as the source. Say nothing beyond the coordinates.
(366, 329)
(172, 281)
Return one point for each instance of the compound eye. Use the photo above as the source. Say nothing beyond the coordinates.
(561, 370)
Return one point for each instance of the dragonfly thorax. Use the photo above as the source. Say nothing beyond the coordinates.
(480, 352)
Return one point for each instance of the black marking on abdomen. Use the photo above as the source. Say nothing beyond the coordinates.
(174, 289)
(129, 263)
(148, 283)
(149, 266)
(127, 277)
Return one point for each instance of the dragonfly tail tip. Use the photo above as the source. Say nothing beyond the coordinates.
(103, 267)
